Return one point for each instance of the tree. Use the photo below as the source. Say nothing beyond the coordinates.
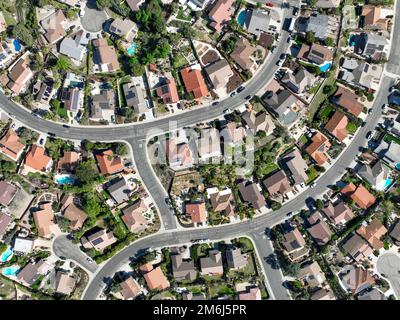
(292, 269)
(22, 33)
(329, 42)
(188, 31)
(319, 204)
(63, 63)
(121, 149)
(87, 172)
(310, 38)
(103, 4)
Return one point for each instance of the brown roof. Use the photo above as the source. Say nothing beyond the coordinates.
(68, 161)
(156, 280)
(348, 100)
(36, 159)
(222, 202)
(212, 264)
(251, 294)
(277, 183)
(338, 212)
(250, 193)
(371, 16)
(44, 220)
(108, 163)
(129, 288)
(64, 283)
(197, 212)
(319, 230)
(357, 247)
(19, 75)
(99, 240)
(221, 13)
(52, 26)
(134, 4)
(5, 220)
(194, 82)
(11, 145)
(242, 53)
(72, 212)
(266, 40)
(294, 241)
(337, 126)
(7, 192)
(107, 54)
(168, 91)
(133, 216)
(320, 144)
(373, 233)
(358, 279)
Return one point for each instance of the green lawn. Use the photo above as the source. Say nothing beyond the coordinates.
(303, 139)
(351, 127)
(389, 138)
(325, 112)
(245, 244)
(179, 61)
(312, 174)
(182, 16)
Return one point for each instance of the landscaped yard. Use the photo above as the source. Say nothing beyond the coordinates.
(389, 138)
(351, 127)
(179, 61)
(312, 174)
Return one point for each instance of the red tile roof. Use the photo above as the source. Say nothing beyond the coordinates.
(336, 126)
(197, 212)
(194, 82)
(108, 163)
(36, 159)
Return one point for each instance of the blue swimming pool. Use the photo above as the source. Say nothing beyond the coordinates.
(11, 271)
(397, 166)
(6, 255)
(17, 45)
(65, 179)
(352, 41)
(132, 49)
(241, 19)
(325, 67)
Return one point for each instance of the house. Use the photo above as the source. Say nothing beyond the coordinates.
(19, 75)
(337, 126)
(284, 106)
(98, 240)
(375, 175)
(338, 212)
(103, 105)
(197, 212)
(198, 5)
(319, 229)
(236, 259)
(360, 195)
(23, 246)
(296, 165)
(312, 275)
(212, 265)
(179, 155)
(361, 74)
(72, 98)
(126, 29)
(119, 190)
(5, 221)
(357, 279)
(32, 271)
(348, 100)
(299, 80)
(315, 53)
(253, 293)
(373, 233)
(53, 26)
(277, 183)
(193, 296)
(72, 212)
(135, 97)
(168, 91)
(374, 294)
(260, 121)
(233, 134)
(133, 216)
(44, 220)
(68, 162)
(357, 247)
(326, 4)
(3, 24)
(389, 151)
(319, 145)
(108, 163)
(266, 40)
(7, 192)
(222, 201)
(194, 82)
(220, 14)
(372, 45)
(37, 161)
(219, 73)
(323, 294)
(106, 56)
(183, 270)
(250, 193)
(74, 46)
(257, 21)
(319, 25)
(64, 283)
(11, 146)
(130, 289)
(371, 18)
(155, 279)
(395, 233)
(242, 53)
(209, 144)
(295, 245)
(134, 4)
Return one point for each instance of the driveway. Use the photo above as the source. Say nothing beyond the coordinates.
(388, 265)
(93, 19)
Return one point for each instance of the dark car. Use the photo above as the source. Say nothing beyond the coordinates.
(241, 88)
(233, 93)
(363, 124)
(288, 39)
(283, 56)
(215, 103)
(289, 214)
(65, 126)
(51, 134)
(248, 97)
(368, 135)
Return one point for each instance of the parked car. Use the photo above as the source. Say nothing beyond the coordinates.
(312, 185)
(227, 111)
(269, 4)
(240, 89)
(233, 93)
(248, 97)
(368, 135)
(215, 103)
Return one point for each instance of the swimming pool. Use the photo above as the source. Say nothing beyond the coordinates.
(132, 49)
(352, 41)
(64, 179)
(397, 166)
(325, 67)
(11, 271)
(241, 19)
(6, 255)
(17, 45)
(385, 184)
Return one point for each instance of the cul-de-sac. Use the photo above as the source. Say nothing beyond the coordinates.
(199, 150)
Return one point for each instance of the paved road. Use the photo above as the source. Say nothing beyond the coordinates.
(62, 247)
(393, 65)
(388, 265)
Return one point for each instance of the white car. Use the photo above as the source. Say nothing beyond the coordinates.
(312, 185)
(227, 111)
